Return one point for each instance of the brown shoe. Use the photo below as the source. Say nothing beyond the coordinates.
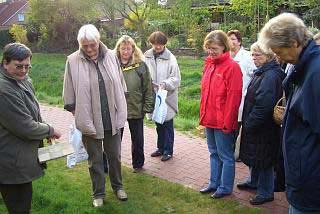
(121, 195)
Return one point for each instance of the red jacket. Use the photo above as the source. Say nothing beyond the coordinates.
(221, 89)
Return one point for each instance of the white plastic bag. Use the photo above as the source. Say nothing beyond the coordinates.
(160, 107)
(80, 153)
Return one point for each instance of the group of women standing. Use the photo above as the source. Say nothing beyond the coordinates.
(284, 38)
(221, 93)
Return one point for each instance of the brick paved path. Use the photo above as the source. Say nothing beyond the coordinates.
(189, 165)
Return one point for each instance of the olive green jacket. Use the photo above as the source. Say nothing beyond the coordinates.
(140, 99)
(21, 131)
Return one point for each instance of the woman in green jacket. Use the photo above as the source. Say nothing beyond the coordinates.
(21, 130)
(140, 98)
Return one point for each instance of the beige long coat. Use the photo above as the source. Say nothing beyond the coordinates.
(81, 90)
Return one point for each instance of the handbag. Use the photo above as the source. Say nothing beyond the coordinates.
(278, 111)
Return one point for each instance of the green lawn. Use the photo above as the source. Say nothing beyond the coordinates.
(64, 190)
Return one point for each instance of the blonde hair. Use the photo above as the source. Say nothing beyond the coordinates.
(283, 30)
(219, 37)
(137, 55)
(88, 32)
(261, 49)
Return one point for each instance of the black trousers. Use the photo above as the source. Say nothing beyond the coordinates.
(137, 139)
(17, 197)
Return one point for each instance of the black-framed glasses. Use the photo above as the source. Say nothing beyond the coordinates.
(21, 67)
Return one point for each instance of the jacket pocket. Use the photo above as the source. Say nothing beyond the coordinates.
(294, 176)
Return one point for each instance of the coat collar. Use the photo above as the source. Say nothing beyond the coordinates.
(309, 51)
(223, 57)
(20, 83)
(272, 65)
(102, 52)
(165, 55)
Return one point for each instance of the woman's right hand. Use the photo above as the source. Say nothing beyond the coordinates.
(56, 134)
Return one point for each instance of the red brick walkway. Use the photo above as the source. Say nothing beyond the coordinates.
(189, 165)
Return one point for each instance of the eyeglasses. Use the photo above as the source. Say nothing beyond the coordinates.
(212, 49)
(21, 67)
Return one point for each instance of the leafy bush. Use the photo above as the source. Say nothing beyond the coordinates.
(5, 38)
(19, 33)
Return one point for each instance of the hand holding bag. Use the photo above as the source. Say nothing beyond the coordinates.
(278, 111)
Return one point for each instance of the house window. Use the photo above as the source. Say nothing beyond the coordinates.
(3, 1)
(21, 17)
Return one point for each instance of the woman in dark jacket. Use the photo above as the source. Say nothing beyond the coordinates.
(260, 140)
(21, 130)
(140, 94)
(290, 39)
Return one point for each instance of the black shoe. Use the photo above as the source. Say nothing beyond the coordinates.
(156, 154)
(166, 157)
(207, 190)
(217, 195)
(245, 185)
(257, 200)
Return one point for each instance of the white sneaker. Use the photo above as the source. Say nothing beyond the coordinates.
(97, 202)
(121, 195)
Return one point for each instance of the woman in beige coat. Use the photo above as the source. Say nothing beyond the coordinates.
(165, 73)
(94, 91)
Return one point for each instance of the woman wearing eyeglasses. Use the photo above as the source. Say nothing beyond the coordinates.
(221, 89)
(260, 140)
(140, 98)
(21, 130)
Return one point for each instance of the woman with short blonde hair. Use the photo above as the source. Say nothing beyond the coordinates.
(257, 47)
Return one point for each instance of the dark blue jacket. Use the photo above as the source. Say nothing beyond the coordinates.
(301, 131)
(260, 136)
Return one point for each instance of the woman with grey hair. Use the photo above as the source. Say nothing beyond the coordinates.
(94, 91)
(260, 136)
(290, 39)
(21, 130)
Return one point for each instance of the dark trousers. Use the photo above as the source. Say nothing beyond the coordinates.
(137, 139)
(17, 197)
(112, 148)
(165, 133)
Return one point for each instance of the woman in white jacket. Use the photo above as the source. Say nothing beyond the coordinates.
(165, 74)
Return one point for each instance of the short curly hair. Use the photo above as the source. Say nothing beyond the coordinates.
(283, 30)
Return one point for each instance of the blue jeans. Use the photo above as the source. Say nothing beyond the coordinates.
(222, 162)
(293, 210)
(263, 179)
(165, 133)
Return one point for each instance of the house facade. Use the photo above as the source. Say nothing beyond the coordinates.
(12, 12)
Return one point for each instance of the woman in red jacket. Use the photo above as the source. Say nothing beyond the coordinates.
(221, 90)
